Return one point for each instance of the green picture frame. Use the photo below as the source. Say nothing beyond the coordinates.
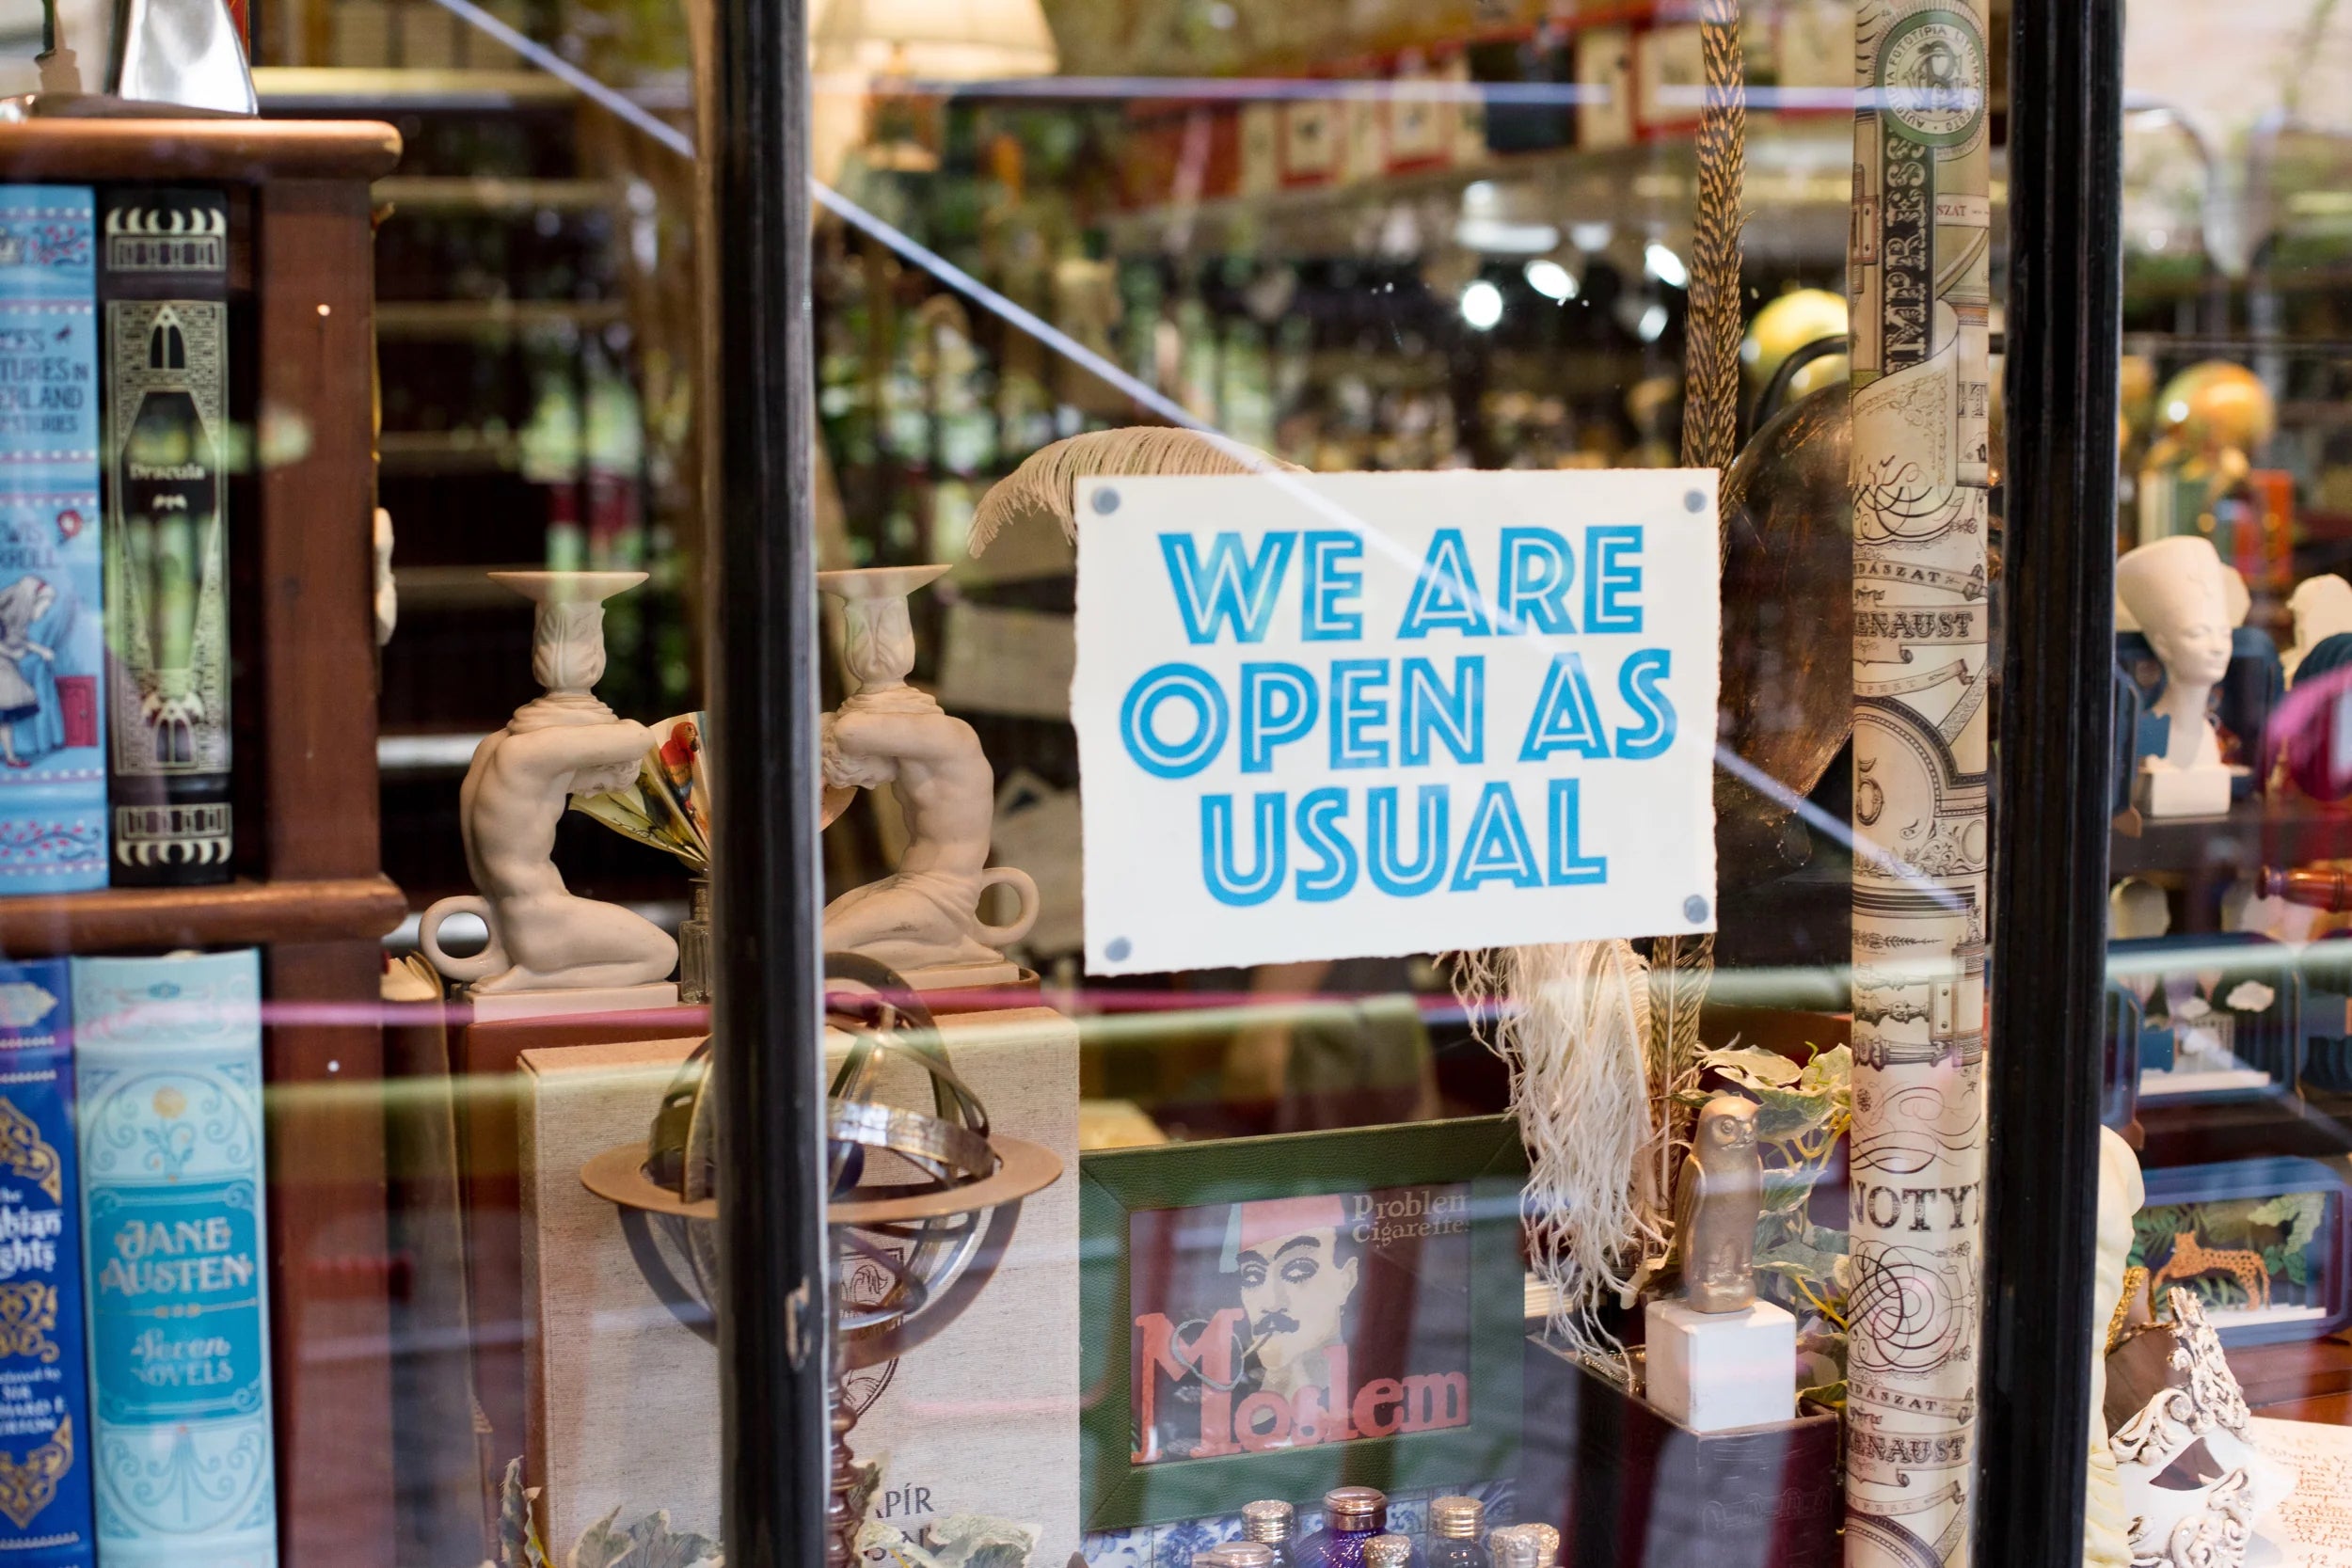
(1481, 1152)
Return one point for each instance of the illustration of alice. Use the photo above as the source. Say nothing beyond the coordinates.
(28, 686)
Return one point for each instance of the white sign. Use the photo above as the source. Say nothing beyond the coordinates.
(1347, 715)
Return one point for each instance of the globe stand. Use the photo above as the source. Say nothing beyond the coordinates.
(950, 1227)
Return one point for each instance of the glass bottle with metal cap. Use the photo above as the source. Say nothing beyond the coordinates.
(1351, 1516)
(1512, 1548)
(1546, 1541)
(1237, 1554)
(1271, 1524)
(1455, 1526)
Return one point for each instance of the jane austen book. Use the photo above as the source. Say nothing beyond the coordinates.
(163, 280)
(44, 1371)
(168, 1056)
(52, 767)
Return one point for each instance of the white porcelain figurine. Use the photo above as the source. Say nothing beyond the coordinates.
(922, 920)
(2175, 591)
(2107, 1528)
(543, 937)
(2322, 607)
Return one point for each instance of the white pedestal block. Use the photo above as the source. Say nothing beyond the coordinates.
(624, 1396)
(1715, 1370)
(2183, 791)
(500, 1006)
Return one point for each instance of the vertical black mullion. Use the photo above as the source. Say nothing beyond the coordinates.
(2057, 651)
(763, 595)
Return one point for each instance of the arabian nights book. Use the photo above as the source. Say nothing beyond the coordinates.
(44, 1387)
(167, 1052)
(53, 767)
(163, 280)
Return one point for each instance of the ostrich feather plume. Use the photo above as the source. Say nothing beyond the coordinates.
(1572, 1021)
(1047, 478)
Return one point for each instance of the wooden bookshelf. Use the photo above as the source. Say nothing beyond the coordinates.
(307, 784)
(241, 915)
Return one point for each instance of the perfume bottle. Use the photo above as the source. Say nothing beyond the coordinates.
(1511, 1547)
(1237, 1554)
(1271, 1524)
(1351, 1516)
(1455, 1527)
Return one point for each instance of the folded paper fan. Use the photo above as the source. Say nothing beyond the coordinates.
(669, 805)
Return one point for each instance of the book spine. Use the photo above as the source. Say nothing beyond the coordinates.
(53, 765)
(44, 1388)
(168, 1056)
(162, 282)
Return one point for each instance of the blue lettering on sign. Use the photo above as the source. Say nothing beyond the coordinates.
(1319, 813)
(1137, 716)
(1446, 592)
(1398, 711)
(1566, 717)
(1457, 717)
(1227, 882)
(1537, 570)
(1231, 590)
(1278, 703)
(1609, 576)
(1637, 680)
(1328, 584)
(1388, 871)
(1495, 846)
(1569, 866)
(1359, 707)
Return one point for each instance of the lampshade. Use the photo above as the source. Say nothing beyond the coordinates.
(934, 40)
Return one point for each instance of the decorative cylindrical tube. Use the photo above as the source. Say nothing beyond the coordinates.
(1921, 237)
(2316, 887)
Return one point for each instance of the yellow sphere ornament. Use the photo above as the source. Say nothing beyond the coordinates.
(2216, 404)
(1786, 324)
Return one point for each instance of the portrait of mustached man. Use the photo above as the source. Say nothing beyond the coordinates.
(1298, 1271)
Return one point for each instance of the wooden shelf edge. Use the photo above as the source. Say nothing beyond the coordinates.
(224, 149)
(230, 914)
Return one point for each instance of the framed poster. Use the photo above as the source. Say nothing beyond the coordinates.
(1274, 1317)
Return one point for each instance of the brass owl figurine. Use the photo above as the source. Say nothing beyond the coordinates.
(1716, 1207)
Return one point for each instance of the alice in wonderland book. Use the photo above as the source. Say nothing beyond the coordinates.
(53, 766)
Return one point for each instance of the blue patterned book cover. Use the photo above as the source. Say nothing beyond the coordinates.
(167, 1052)
(44, 1388)
(53, 760)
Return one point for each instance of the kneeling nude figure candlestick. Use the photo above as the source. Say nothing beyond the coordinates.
(565, 742)
(923, 919)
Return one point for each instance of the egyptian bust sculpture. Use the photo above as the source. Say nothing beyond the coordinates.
(1716, 1207)
(2175, 591)
(565, 742)
(925, 915)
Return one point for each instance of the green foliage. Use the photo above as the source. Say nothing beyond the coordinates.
(959, 1540)
(2299, 1213)
(518, 1538)
(650, 1543)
